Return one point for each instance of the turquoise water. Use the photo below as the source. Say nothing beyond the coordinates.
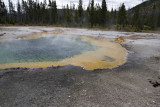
(43, 49)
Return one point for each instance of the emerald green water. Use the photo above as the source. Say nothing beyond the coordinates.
(43, 49)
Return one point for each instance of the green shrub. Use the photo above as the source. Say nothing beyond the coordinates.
(147, 27)
(129, 28)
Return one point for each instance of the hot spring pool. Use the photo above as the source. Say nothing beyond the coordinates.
(86, 52)
(42, 49)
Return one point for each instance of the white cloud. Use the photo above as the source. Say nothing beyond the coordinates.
(110, 3)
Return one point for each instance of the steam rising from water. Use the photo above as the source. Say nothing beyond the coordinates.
(43, 49)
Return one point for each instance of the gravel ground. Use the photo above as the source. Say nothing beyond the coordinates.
(134, 84)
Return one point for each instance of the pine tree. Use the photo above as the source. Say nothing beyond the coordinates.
(24, 12)
(80, 10)
(3, 12)
(68, 15)
(115, 16)
(19, 11)
(97, 14)
(103, 13)
(91, 12)
(63, 15)
(136, 20)
(9, 3)
(38, 13)
(112, 17)
(30, 11)
(1, 7)
(138, 24)
(158, 19)
(88, 14)
(18, 8)
(153, 23)
(12, 12)
(43, 11)
(53, 11)
(122, 18)
(35, 12)
(76, 17)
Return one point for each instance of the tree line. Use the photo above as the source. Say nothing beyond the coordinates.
(46, 13)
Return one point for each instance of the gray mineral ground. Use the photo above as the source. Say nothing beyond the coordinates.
(133, 84)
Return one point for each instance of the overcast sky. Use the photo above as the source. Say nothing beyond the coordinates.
(110, 3)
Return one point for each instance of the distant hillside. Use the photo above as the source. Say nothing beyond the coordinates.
(147, 7)
(145, 14)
